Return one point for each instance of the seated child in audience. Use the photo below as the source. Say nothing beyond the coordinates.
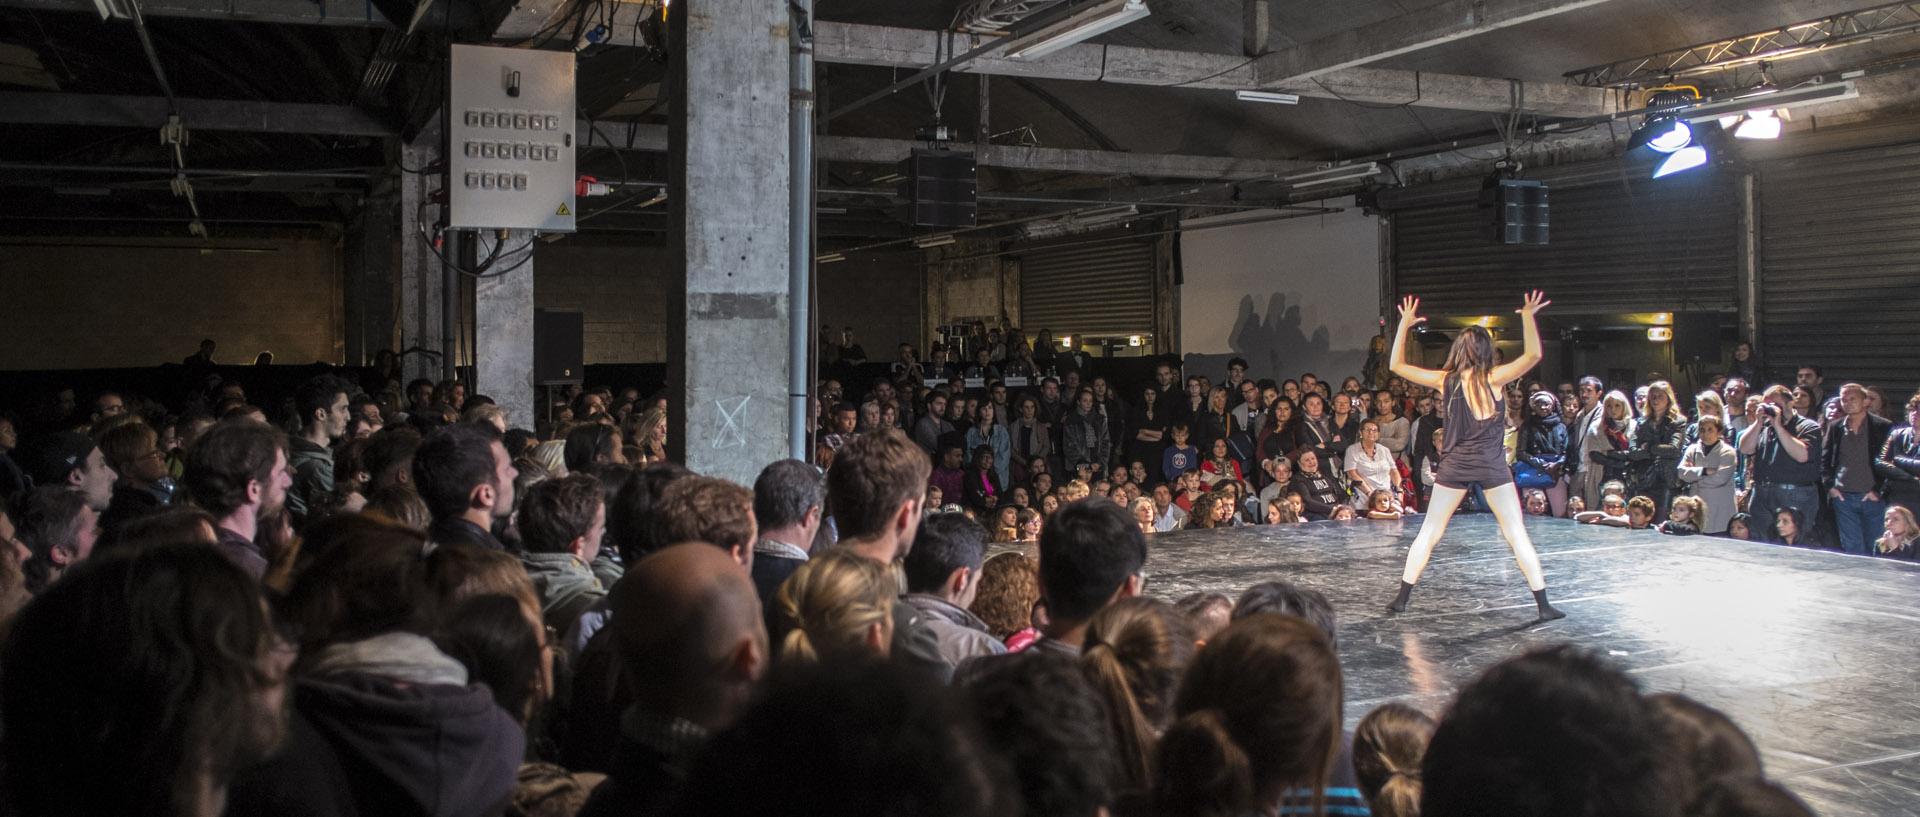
(1612, 513)
(1342, 513)
(1382, 506)
(1684, 519)
(1740, 527)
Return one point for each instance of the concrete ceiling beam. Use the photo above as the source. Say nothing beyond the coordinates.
(1402, 34)
(854, 44)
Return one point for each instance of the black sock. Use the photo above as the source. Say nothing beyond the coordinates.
(1547, 613)
(1399, 604)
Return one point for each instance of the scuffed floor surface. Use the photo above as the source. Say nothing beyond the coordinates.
(1815, 653)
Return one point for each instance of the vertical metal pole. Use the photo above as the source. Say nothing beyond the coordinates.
(449, 304)
(800, 228)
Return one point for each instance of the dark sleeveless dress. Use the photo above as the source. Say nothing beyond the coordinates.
(1471, 449)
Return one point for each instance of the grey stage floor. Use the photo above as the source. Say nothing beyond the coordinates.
(1812, 652)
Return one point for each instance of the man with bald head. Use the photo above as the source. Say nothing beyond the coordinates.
(687, 630)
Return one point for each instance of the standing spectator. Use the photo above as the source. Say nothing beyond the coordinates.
(1086, 443)
(1136, 651)
(1609, 440)
(1179, 457)
(1146, 428)
(322, 403)
(988, 433)
(787, 508)
(1248, 410)
(1584, 476)
(1783, 457)
(710, 510)
(1554, 732)
(464, 475)
(1855, 492)
(1658, 442)
(1030, 435)
(1809, 377)
(933, 424)
(58, 530)
(132, 450)
(1733, 398)
(562, 522)
(943, 577)
(1395, 432)
(139, 685)
(1746, 365)
(1900, 460)
(71, 460)
(238, 473)
(1708, 465)
(1388, 747)
(1213, 421)
(687, 631)
(1258, 723)
(875, 490)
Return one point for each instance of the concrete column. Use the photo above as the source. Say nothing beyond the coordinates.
(420, 302)
(503, 335)
(729, 314)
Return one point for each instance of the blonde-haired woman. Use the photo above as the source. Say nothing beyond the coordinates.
(1602, 454)
(649, 432)
(835, 604)
(1658, 443)
(1471, 384)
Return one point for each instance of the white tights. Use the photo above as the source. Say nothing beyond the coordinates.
(1506, 508)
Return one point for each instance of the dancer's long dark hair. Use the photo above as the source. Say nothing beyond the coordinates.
(1471, 359)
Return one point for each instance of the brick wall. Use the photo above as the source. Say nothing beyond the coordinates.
(878, 295)
(620, 289)
(104, 303)
(972, 287)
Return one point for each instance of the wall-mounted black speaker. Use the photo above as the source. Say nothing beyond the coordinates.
(941, 189)
(559, 346)
(1696, 337)
(1516, 211)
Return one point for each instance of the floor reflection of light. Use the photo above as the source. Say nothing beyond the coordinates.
(1421, 672)
(1737, 624)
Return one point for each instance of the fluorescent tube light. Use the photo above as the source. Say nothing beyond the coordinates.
(1267, 96)
(928, 241)
(1333, 175)
(1093, 20)
(829, 258)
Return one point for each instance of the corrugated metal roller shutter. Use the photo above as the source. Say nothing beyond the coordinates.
(1620, 245)
(1840, 265)
(1097, 289)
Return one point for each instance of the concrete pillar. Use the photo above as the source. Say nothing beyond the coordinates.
(503, 334)
(729, 314)
(420, 285)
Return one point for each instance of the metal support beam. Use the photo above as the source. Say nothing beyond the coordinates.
(28, 108)
(867, 150)
(1799, 39)
(851, 44)
(1401, 34)
(300, 12)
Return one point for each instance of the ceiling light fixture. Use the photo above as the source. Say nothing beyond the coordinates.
(1760, 124)
(1076, 26)
(1686, 158)
(1274, 97)
(930, 241)
(829, 258)
(1665, 131)
(1334, 174)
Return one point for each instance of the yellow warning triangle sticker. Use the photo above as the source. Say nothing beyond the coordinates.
(563, 211)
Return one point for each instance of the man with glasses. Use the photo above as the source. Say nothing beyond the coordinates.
(133, 451)
(1250, 414)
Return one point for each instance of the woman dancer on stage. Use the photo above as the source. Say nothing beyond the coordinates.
(1471, 387)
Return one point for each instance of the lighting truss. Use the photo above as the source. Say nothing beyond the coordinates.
(1843, 29)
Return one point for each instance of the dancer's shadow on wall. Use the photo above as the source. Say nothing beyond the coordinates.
(1279, 344)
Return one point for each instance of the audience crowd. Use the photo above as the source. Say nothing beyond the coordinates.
(390, 602)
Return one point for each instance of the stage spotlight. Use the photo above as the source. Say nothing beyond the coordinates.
(1760, 124)
(1663, 135)
(1686, 158)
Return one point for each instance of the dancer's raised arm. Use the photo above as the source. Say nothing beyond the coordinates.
(1515, 369)
(1397, 362)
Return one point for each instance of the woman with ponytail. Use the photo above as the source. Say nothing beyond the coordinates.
(1258, 724)
(1388, 747)
(836, 604)
(1135, 651)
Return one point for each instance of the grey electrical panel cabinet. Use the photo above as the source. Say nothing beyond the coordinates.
(510, 143)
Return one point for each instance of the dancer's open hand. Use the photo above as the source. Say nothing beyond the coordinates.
(1408, 307)
(1536, 301)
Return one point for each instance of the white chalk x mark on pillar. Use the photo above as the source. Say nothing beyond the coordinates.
(731, 435)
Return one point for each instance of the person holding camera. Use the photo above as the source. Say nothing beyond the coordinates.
(1782, 467)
